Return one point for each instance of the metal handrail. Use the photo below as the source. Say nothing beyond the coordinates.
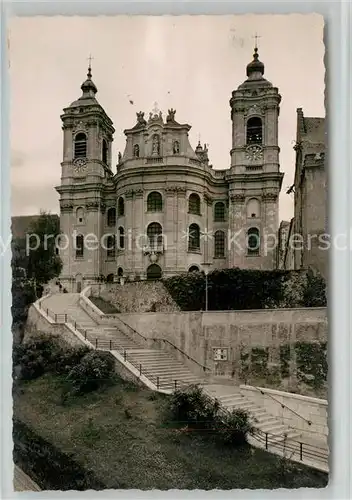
(63, 318)
(204, 368)
(155, 339)
(291, 445)
(283, 405)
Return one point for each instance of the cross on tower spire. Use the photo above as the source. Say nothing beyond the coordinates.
(256, 36)
(90, 66)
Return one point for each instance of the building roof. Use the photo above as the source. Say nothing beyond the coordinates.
(310, 129)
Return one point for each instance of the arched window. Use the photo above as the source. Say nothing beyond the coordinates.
(253, 241)
(253, 208)
(121, 207)
(194, 204)
(120, 272)
(193, 269)
(154, 272)
(219, 211)
(79, 246)
(121, 238)
(80, 146)
(111, 216)
(80, 215)
(219, 244)
(154, 202)
(194, 237)
(155, 234)
(104, 151)
(111, 246)
(254, 130)
(136, 151)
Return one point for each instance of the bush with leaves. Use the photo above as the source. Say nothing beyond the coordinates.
(314, 292)
(93, 371)
(69, 358)
(192, 407)
(44, 354)
(35, 357)
(239, 289)
(234, 427)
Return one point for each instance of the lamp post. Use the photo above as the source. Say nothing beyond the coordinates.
(206, 266)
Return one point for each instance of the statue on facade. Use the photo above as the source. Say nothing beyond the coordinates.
(171, 115)
(176, 148)
(136, 151)
(156, 145)
(140, 118)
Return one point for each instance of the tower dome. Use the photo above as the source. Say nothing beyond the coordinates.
(255, 66)
(88, 87)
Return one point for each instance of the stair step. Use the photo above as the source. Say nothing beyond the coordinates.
(271, 426)
(162, 365)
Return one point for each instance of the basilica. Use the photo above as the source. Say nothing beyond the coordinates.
(163, 209)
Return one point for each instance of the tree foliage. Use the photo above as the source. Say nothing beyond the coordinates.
(238, 289)
(227, 289)
(31, 269)
(44, 263)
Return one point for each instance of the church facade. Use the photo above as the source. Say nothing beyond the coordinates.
(165, 209)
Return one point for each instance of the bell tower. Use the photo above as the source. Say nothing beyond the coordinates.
(85, 170)
(255, 178)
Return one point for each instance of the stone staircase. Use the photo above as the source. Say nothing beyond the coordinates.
(159, 366)
(231, 398)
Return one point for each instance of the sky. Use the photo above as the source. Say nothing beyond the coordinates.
(189, 63)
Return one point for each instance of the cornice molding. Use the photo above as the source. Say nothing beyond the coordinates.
(66, 207)
(136, 193)
(237, 197)
(173, 190)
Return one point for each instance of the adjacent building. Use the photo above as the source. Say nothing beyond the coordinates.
(307, 235)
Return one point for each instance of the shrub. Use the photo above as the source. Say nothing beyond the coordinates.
(192, 407)
(236, 289)
(234, 427)
(35, 357)
(44, 354)
(95, 369)
(228, 289)
(70, 358)
(314, 292)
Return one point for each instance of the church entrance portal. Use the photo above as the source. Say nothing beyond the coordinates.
(154, 272)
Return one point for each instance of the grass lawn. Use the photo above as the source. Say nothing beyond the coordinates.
(103, 305)
(119, 434)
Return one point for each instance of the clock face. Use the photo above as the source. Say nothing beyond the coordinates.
(80, 165)
(254, 153)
